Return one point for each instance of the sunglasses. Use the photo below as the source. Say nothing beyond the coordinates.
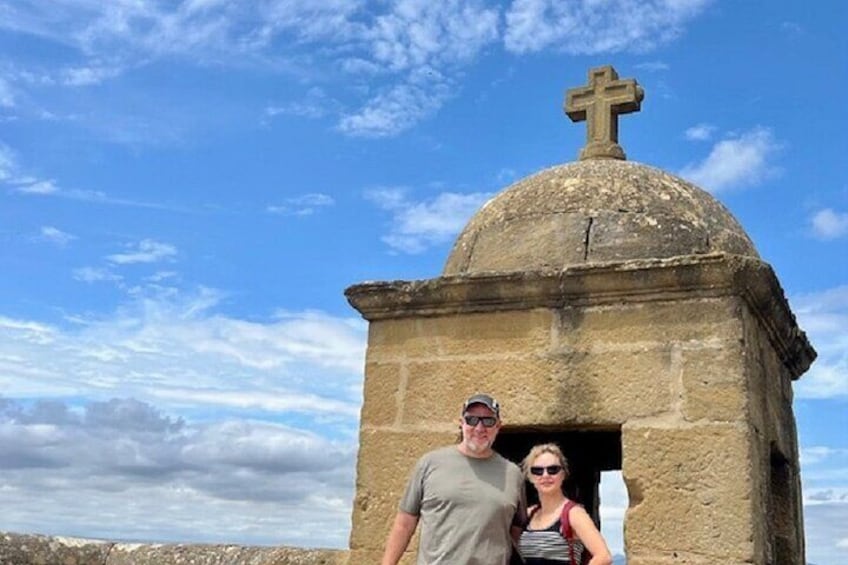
(551, 469)
(488, 421)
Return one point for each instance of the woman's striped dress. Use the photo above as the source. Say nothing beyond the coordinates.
(547, 547)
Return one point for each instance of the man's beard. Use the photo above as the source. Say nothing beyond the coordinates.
(477, 446)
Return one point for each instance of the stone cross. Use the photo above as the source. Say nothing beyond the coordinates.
(599, 104)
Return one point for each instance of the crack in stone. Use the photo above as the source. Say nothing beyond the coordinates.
(586, 240)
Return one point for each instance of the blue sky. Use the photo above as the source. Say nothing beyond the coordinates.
(188, 187)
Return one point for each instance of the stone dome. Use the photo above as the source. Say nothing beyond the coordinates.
(592, 211)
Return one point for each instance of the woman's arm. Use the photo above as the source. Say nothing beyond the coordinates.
(585, 529)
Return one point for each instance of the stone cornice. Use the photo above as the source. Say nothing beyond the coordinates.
(675, 278)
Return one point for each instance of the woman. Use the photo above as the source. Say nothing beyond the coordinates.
(541, 542)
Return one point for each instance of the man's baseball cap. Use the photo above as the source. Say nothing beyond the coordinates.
(486, 401)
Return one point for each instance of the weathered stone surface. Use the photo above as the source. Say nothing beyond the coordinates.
(690, 489)
(714, 383)
(636, 211)
(575, 387)
(180, 554)
(19, 549)
(749, 280)
(552, 238)
(372, 557)
(621, 235)
(469, 334)
(23, 549)
(382, 393)
(682, 321)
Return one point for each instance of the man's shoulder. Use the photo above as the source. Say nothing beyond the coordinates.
(439, 454)
(514, 467)
(446, 452)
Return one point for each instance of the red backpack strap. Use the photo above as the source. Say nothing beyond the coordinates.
(564, 524)
(566, 531)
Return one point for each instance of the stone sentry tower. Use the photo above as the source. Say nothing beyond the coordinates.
(616, 309)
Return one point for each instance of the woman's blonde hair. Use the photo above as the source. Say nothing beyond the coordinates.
(537, 450)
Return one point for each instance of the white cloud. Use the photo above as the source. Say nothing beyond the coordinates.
(419, 33)
(816, 454)
(653, 66)
(40, 187)
(402, 58)
(303, 205)
(395, 110)
(824, 316)
(94, 274)
(176, 350)
(55, 235)
(315, 105)
(829, 224)
(397, 41)
(8, 163)
(417, 226)
(589, 27)
(7, 97)
(424, 42)
(741, 160)
(700, 132)
(145, 251)
(88, 76)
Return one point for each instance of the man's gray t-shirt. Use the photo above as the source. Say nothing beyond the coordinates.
(465, 507)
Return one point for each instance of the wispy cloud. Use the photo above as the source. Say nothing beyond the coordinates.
(653, 66)
(145, 251)
(303, 205)
(741, 160)
(401, 60)
(824, 316)
(88, 76)
(316, 104)
(829, 224)
(39, 187)
(8, 163)
(423, 43)
(396, 110)
(589, 27)
(418, 225)
(700, 132)
(399, 43)
(13, 175)
(95, 274)
(175, 349)
(7, 96)
(56, 236)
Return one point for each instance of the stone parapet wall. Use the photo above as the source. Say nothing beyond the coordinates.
(26, 549)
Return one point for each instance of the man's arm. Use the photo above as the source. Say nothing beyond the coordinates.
(399, 536)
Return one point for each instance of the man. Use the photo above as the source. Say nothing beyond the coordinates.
(470, 500)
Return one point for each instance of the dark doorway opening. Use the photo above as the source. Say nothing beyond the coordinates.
(589, 452)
